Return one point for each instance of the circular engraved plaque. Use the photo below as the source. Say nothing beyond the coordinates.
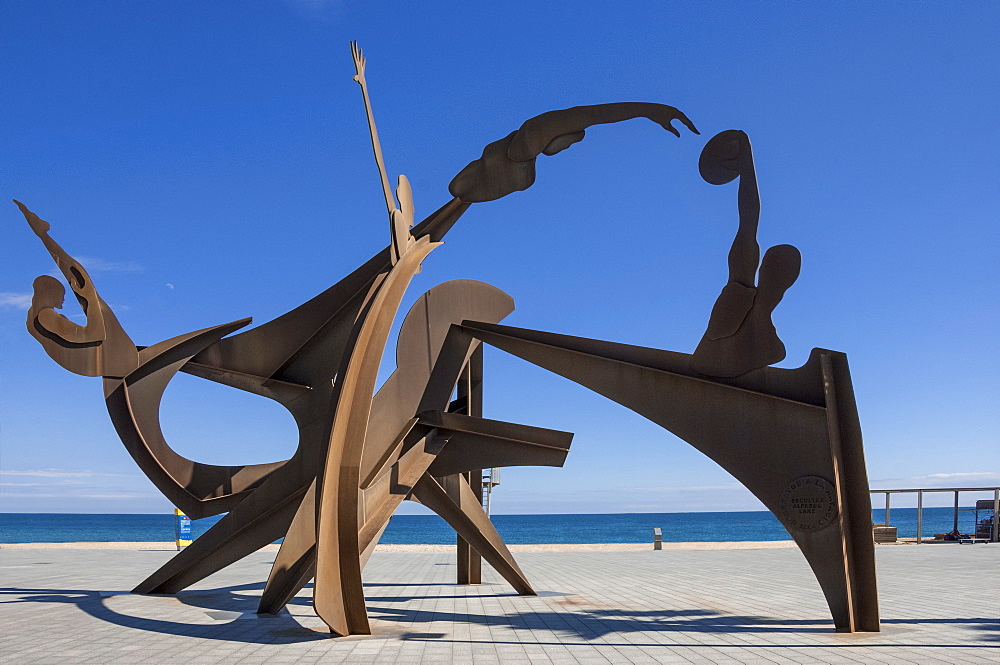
(809, 504)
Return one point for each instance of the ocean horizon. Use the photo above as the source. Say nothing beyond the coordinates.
(515, 529)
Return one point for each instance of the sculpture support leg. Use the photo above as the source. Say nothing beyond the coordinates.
(469, 563)
(463, 550)
(295, 564)
(238, 534)
(855, 501)
(468, 518)
(339, 596)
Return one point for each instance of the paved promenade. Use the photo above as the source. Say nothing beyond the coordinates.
(940, 604)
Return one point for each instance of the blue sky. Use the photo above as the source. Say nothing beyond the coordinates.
(210, 161)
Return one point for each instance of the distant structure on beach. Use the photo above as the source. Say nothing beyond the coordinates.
(791, 436)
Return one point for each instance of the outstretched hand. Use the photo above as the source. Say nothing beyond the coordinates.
(37, 224)
(359, 62)
(670, 114)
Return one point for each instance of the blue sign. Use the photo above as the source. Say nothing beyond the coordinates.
(183, 528)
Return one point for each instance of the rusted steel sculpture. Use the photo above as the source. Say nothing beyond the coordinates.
(791, 436)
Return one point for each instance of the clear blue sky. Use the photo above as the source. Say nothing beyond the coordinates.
(209, 161)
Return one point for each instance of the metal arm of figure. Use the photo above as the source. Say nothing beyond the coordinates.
(726, 157)
(744, 255)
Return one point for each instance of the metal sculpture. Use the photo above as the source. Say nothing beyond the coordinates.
(791, 436)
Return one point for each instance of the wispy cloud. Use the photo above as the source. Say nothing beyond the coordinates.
(58, 473)
(121, 495)
(75, 488)
(723, 496)
(15, 300)
(685, 488)
(633, 493)
(980, 475)
(70, 497)
(103, 265)
(933, 480)
(662, 498)
(32, 495)
(95, 265)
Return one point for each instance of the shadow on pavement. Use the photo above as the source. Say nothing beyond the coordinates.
(229, 615)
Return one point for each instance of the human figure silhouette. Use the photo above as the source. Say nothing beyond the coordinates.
(101, 347)
(741, 336)
(508, 164)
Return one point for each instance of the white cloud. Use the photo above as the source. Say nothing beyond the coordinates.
(32, 495)
(77, 490)
(974, 475)
(685, 488)
(663, 499)
(96, 265)
(93, 264)
(70, 493)
(619, 494)
(75, 486)
(934, 480)
(134, 495)
(15, 300)
(58, 473)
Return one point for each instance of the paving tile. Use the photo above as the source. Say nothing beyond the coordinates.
(750, 607)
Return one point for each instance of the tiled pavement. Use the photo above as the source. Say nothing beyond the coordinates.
(940, 604)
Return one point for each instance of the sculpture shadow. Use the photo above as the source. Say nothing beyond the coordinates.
(274, 629)
(574, 622)
(591, 624)
(597, 623)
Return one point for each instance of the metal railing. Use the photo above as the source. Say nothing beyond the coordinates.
(994, 535)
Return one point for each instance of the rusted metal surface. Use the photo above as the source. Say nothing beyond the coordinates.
(770, 428)
(791, 436)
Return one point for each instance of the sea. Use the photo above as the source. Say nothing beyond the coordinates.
(515, 529)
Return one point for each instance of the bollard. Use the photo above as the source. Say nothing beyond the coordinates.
(657, 539)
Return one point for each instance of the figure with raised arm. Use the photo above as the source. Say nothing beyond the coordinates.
(101, 347)
(401, 216)
(741, 336)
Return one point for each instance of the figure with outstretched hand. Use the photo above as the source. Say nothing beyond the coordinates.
(508, 164)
